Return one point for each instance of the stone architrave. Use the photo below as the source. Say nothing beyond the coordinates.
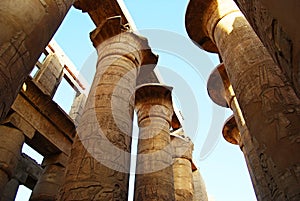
(182, 166)
(154, 173)
(11, 142)
(268, 103)
(276, 24)
(29, 26)
(99, 164)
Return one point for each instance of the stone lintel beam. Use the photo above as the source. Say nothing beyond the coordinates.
(60, 159)
(23, 40)
(42, 120)
(99, 11)
(231, 132)
(154, 179)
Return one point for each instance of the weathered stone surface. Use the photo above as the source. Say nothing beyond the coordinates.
(50, 75)
(154, 173)
(182, 149)
(99, 163)
(23, 40)
(276, 24)
(199, 187)
(268, 103)
(10, 190)
(11, 142)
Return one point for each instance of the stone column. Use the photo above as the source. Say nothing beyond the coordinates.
(276, 24)
(99, 163)
(154, 173)
(200, 193)
(10, 190)
(29, 26)
(182, 166)
(50, 75)
(268, 103)
(51, 179)
(11, 142)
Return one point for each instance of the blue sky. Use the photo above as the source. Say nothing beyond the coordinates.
(183, 66)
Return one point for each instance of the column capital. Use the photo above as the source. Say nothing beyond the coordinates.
(182, 145)
(147, 96)
(199, 13)
(219, 88)
(231, 132)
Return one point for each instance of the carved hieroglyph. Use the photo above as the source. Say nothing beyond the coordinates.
(268, 103)
(11, 142)
(276, 24)
(99, 164)
(29, 26)
(154, 173)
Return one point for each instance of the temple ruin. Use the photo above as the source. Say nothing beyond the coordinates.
(87, 152)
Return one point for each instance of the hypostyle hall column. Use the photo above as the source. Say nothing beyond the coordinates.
(268, 103)
(154, 173)
(27, 27)
(51, 179)
(11, 142)
(235, 130)
(200, 193)
(99, 164)
(276, 24)
(182, 166)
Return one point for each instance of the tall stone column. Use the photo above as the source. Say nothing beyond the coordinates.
(29, 26)
(154, 173)
(51, 179)
(99, 164)
(276, 24)
(11, 142)
(182, 166)
(10, 190)
(268, 103)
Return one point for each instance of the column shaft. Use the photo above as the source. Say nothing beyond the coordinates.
(199, 187)
(11, 142)
(267, 100)
(276, 25)
(154, 173)
(10, 190)
(99, 164)
(29, 26)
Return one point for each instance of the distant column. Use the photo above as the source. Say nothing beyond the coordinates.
(182, 166)
(200, 193)
(268, 103)
(29, 26)
(154, 173)
(51, 179)
(10, 190)
(100, 160)
(11, 142)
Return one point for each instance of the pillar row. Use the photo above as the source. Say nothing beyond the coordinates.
(268, 103)
(24, 39)
(11, 142)
(99, 164)
(154, 173)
